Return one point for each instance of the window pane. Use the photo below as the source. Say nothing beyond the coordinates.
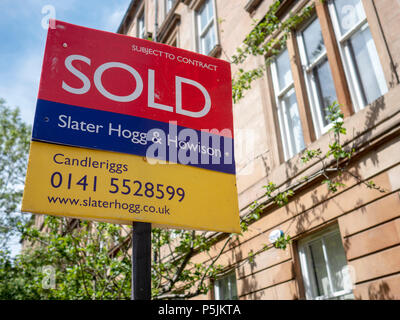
(364, 54)
(210, 9)
(325, 87)
(337, 261)
(225, 288)
(203, 18)
(313, 41)
(319, 268)
(141, 26)
(206, 14)
(292, 121)
(208, 41)
(206, 36)
(283, 70)
(232, 287)
(169, 5)
(349, 13)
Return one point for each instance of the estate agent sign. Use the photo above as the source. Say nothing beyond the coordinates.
(131, 130)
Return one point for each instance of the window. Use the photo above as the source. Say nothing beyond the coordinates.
(168, 5)
(206, 29)
(225, 287)
(324, 267)
(141, 26)
(353, 76)
(319, 82)
(358, 50)
(288, 113)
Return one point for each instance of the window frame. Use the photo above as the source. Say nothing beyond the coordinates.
(311, 122)
(212, 24)
(309, 280)
(216, 287)
(351, 72)
(288, 145)
(311, 85)
(138, 20)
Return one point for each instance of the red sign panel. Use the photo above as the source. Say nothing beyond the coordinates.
(136, 77)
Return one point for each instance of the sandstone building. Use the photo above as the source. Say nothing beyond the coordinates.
(346, 245)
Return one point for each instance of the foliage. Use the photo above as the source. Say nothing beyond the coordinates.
(14, 146)
(174, 274)
(92, 261)
(282, 242)
(80, 259)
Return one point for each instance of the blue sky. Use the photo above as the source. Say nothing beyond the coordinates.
(22, 41)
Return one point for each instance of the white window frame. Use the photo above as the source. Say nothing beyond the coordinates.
(211, 24)
(288, 145)
(346, 56)
(311, 85)
(227, 276)
(141, 33)
(309, 281)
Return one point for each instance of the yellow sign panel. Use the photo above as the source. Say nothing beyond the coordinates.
(121, 188)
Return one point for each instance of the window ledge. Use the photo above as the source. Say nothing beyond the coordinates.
(193, 4)
(216, 51)
(252, 5)
(169, 24)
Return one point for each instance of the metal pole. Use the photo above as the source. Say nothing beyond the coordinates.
(141, 261)
(141, 241)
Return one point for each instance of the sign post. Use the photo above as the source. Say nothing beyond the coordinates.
(141, 261)
(132, 131)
